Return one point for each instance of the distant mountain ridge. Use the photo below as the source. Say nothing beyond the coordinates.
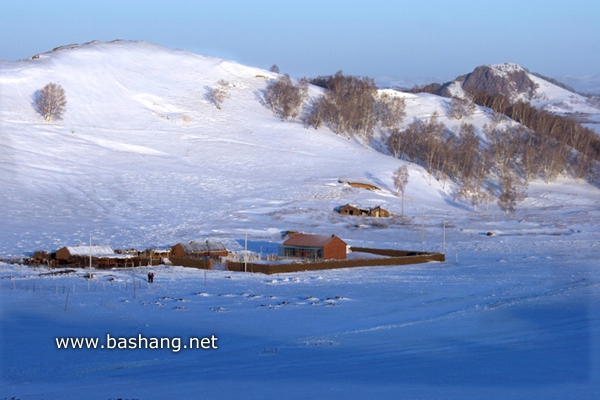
(588, 84)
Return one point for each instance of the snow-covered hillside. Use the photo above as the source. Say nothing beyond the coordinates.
(142, 158)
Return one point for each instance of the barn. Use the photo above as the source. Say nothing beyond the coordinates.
(314, 247)
(199, 250)
(103, 256)
(66, 253)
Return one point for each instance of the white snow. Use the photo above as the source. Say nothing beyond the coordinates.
(549, 96)
(95, 250)
(143, 159)
(555, 99)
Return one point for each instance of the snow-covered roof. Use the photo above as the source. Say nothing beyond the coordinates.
(96, 251)
(304, 240)
(203, 247)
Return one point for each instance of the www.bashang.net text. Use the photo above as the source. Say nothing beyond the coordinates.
(138, 342)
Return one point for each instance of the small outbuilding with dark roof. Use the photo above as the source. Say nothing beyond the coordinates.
(350, 209)
(199, 250)
(379, 212)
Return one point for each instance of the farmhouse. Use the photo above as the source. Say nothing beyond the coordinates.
(199, 250)
(314, 247)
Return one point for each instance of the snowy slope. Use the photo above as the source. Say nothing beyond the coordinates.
(142, 158)
(555, 99)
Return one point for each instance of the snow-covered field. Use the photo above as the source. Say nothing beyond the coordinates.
(513, 315)
(143, 159)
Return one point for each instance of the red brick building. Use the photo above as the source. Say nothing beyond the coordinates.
(314, 247)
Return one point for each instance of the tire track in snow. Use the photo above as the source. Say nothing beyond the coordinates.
(574, 286)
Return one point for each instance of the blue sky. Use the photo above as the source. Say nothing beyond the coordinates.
(404, 39)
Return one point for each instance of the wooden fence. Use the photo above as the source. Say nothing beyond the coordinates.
(193, 263)
(394, 257)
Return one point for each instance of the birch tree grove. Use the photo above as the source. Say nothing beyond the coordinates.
(348, 105)
(285, 98)
(461, 108)
(390, 110)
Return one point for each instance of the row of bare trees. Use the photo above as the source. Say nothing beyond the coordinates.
(556, 130)
(350, 105)
(459, 156)
(553, 141)
(515, 155)
(285, 98)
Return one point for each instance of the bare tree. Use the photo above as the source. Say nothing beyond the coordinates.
(467, 159)
(503, 147)
(274, 68)
(512, 190)
(285, 98)
(51, 101)
(316, 110)
(400, 182)
(348, 105)
(219, 93)
(460, 108)
(472, 191)
(390, 110)
(487, 196)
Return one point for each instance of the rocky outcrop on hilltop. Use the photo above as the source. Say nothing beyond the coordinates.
(509, 80)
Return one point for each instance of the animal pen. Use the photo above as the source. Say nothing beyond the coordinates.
(387, 257)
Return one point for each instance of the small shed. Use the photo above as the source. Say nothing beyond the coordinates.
(379, 212)
(155, 256)
(350, 209)
(199, 250)
(314, 247)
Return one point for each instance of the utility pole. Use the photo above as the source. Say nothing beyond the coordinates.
(444, 241)
(246, 253)
(422, 225)
(133, 278)
(90, 273)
